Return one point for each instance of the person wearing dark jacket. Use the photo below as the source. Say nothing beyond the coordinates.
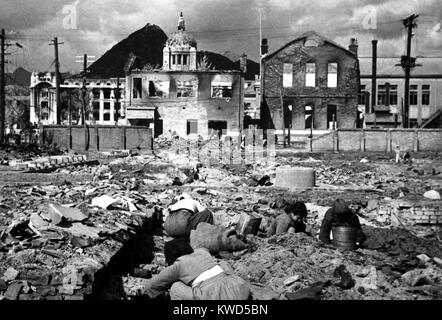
(340, 215)
(292, 219)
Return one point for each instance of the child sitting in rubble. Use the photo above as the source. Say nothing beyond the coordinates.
(291, 221)
(198, 276)
(184, 216)
(340, 215)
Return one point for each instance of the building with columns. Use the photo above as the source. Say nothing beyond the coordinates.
(186, 95)
(101, 99)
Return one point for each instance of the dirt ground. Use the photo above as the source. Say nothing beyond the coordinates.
(396, 262)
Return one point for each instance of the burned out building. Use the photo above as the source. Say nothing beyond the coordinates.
(187, 95)
(311, 81)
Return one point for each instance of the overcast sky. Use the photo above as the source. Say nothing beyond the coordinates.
(94, 26)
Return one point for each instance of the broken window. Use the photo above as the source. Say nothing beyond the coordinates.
(173, 59)
(287, 75)
(107, 93)
(413, 94)
(137, 88)
(186, 89)
(107, 106)
(310, 74)
(158, 88)
(221, 89)
(425, 94)
(184, 60)
(179, 59)
(332, 76)
(382, 94)
(192, 126)
(362, 98)
(96, 111)
(106, 117)
(393, 94)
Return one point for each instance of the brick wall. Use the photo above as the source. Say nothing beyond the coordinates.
(344, 97)
(100, 138)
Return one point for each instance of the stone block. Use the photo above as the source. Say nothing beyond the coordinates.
(13, 291)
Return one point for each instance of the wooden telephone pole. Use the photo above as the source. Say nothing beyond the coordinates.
(2, 89)
(408, 63)
(55, 43)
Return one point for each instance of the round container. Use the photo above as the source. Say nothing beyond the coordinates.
(344, 237)
(297, 177)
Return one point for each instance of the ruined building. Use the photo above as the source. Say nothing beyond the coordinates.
(186, 95)
(315, 80)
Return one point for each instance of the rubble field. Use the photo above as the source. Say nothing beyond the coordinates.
(94, 231)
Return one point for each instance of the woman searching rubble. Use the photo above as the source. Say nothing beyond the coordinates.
(184, 216)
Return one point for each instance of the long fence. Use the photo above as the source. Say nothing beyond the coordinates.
(98, 138)
(379, 140)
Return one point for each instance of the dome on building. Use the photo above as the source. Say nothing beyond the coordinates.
(181, 39)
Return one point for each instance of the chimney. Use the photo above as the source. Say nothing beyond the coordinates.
(374, 73)
(264, 47)
(353, 47)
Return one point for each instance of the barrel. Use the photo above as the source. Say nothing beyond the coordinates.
(344, 237)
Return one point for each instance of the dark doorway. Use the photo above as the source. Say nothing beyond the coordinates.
(217, 126)
(192, 126)
(331, 117)
(308, 112)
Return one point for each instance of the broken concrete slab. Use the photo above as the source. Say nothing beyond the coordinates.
(104, 201)
(13, 291)
(37, 221)
(291, 280)
(10, 274)
(58, 213)
(432, 194)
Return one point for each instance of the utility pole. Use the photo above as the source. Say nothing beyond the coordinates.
(55, 43)
(117, 102)
(407, 63)
(2, 89)
(85, 60)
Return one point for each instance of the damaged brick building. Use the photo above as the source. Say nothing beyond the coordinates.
(316, 80)
(187, 95)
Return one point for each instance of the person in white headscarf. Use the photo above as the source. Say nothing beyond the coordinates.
(184, 216)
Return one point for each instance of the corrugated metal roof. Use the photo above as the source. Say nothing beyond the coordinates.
(387, 66)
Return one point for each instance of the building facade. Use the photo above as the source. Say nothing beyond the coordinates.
(101, 99)
(425, 93)
(311, 82)
(185, 96)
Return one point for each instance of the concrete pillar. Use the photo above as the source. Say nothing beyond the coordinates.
(192, 62)
(166, 58)
(112, 111)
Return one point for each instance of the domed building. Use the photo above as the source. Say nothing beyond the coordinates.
(180, 50)
(193, 93)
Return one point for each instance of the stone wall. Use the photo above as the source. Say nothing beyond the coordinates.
(379, 140)
(99, 138)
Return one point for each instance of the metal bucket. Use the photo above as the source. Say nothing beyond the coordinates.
(344, 237)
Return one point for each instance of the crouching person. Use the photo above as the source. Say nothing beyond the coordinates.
(340, 215)
(184, 216)
(199, 276)
(292, 220)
